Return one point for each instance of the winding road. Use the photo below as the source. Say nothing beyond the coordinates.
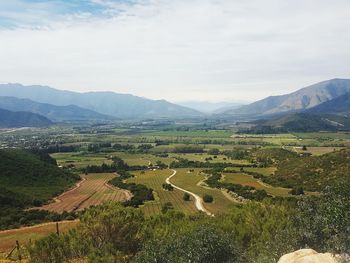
(198, 200)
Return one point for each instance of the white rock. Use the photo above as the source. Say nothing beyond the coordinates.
(307, 256)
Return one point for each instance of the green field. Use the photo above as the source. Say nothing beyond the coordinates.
(154, 180)
(191, 181)
(245, 179)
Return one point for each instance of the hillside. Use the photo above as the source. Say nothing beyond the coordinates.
(110, 103)
(52, 112)
(10, 119)
(33, 177)
(28, 179)
(302, 99)
(314, 173)
(300, 122)
(339, 105)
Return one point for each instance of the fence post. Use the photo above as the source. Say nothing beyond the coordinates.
(57, 229)
(18, 251)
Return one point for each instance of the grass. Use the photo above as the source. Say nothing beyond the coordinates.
(266, 171)
(195, 133)
(154, 180)
(191, 181)
(316, 150)
(245, 179)
(80, 159)
(26, 234)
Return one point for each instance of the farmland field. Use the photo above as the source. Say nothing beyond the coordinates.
(192, 181)
(154, 180)
(92, 190)
(24, 235)
(246, 179)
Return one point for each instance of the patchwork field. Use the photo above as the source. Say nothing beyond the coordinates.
(246, 179)
(155, 180)
(192, 181)
(92, 190)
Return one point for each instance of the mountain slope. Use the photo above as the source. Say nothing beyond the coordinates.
(210, 107)
(10, 119)
(114, 104)
(339, 105)
(300, 122)
(52, 112)
(302, 99)
(32, 176)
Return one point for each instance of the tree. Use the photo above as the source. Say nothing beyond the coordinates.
(208, 198)
(186, 197)
(214, 151)
(304, 148)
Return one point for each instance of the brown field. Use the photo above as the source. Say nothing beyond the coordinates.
(25, 234)
(92, 190)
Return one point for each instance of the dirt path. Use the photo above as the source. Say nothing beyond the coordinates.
(198, 199)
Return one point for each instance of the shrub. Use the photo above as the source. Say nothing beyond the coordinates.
(208, 198)
(186, 197)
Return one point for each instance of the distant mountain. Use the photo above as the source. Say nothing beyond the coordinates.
(10, 119)
(52, 112)
(299, 122)
(211, 107)
(302, 99)
(339, 105)
(110, 103)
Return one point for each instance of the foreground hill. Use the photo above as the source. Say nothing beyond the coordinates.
(10, 119)
(28, 179)
(52, 112)
(110, 103)
(302, 99)
(313, 173)
(33, 177)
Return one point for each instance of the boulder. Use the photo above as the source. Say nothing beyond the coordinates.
(308, 256)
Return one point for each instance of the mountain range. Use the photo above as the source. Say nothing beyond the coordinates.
(124, 106)
(303, 99)
(10, 119)
(322, 106)
(52, 112)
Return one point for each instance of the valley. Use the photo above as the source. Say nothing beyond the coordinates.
(255, 179)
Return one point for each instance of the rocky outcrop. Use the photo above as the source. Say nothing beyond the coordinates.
(308, 256)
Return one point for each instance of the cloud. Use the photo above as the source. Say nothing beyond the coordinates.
(179, 49)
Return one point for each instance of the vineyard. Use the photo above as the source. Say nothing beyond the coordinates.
(92, 190)
(155, 180)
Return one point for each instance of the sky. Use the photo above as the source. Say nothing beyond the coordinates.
(179, 50)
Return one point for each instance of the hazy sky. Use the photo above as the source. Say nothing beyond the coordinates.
(180, 50)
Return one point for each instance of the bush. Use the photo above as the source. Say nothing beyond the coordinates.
(208, 198)
(202, 244)
(166, 207)
(167, 187)
(186, 197)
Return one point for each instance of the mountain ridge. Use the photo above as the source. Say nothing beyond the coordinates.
(11, 119)
(52, 112)
(302, 99)
(106, 102)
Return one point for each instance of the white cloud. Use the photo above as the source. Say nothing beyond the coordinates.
(184, 50)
